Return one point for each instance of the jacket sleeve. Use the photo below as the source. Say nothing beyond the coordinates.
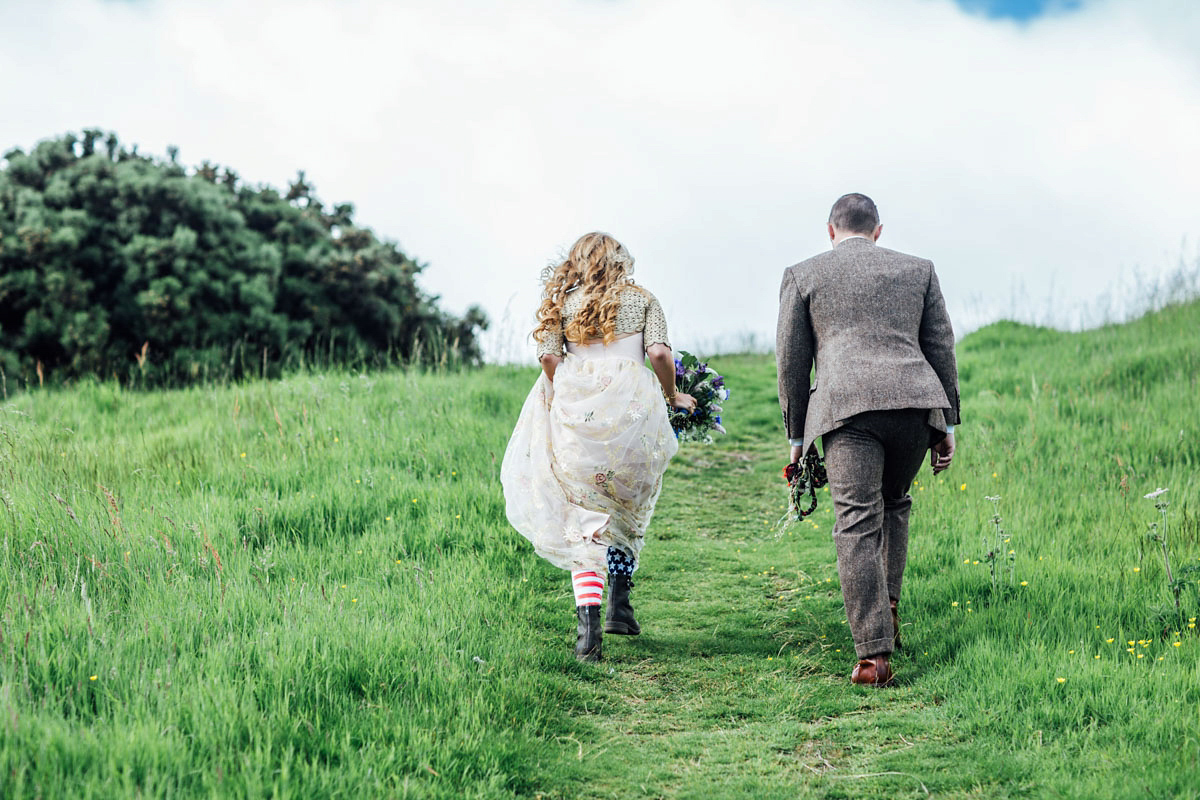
(937, 343)
(794, 351)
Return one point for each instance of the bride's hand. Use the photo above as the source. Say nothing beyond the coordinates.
(685, 402)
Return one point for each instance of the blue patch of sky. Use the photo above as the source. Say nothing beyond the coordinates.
(1021, 10)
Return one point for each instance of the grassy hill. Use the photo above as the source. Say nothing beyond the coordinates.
(307, 588)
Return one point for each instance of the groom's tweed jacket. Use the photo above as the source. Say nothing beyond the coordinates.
(874, 322)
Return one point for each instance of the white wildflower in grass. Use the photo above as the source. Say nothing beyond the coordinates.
(1158, 535)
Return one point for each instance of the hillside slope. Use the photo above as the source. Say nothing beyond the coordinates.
(307, 588)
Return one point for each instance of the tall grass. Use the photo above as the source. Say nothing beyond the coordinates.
(307, 588)
(247, 590)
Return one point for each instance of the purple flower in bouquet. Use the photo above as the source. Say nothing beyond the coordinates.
(702, 382)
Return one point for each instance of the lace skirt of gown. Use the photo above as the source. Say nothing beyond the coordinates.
(584, 466)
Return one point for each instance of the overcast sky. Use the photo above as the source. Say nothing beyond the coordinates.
(1044, 155)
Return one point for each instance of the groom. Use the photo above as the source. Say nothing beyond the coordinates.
(874, 323)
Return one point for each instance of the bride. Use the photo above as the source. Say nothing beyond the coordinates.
(584, 466)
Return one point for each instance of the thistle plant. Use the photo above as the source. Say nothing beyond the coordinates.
(1158, 535)
(998, 556)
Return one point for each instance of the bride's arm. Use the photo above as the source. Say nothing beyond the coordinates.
(550, 363)
(663, 363)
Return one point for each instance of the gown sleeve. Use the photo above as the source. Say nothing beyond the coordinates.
(551, 343)
(655, 330)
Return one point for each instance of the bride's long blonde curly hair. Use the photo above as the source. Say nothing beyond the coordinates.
(598, 266)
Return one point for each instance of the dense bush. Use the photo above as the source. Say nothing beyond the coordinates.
(112, 262)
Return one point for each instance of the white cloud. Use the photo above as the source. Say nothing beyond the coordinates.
(1039, 165)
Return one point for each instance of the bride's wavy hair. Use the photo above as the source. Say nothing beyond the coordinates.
(598, 266)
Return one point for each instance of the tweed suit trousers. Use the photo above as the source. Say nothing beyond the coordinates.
(872, 460)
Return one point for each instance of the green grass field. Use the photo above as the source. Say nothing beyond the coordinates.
(307, 588)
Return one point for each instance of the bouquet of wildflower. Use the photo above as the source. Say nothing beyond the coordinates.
(702, 382)
(803, 479)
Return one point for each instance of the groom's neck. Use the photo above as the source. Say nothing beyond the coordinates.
(838, 235)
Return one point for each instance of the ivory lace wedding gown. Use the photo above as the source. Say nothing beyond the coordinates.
(584, 466)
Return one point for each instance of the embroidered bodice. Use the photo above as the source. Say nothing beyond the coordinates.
(639, 312)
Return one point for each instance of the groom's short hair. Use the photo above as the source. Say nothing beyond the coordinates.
(855, 213)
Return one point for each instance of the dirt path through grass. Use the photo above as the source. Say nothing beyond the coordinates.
(738, 685)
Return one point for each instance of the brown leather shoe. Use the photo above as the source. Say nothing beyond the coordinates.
(875, 672)
(895, 625)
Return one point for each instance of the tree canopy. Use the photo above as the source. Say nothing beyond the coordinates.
(113, 262)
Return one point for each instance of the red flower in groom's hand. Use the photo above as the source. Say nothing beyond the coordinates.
(789, 472)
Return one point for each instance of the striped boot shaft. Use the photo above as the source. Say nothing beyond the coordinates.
(589, 587)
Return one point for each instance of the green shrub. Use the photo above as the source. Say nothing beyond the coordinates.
(115, 263)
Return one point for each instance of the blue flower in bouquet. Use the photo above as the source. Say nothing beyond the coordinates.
(702, 382)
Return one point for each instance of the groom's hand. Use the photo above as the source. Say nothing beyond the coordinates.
(941, 454)
(796, 454)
